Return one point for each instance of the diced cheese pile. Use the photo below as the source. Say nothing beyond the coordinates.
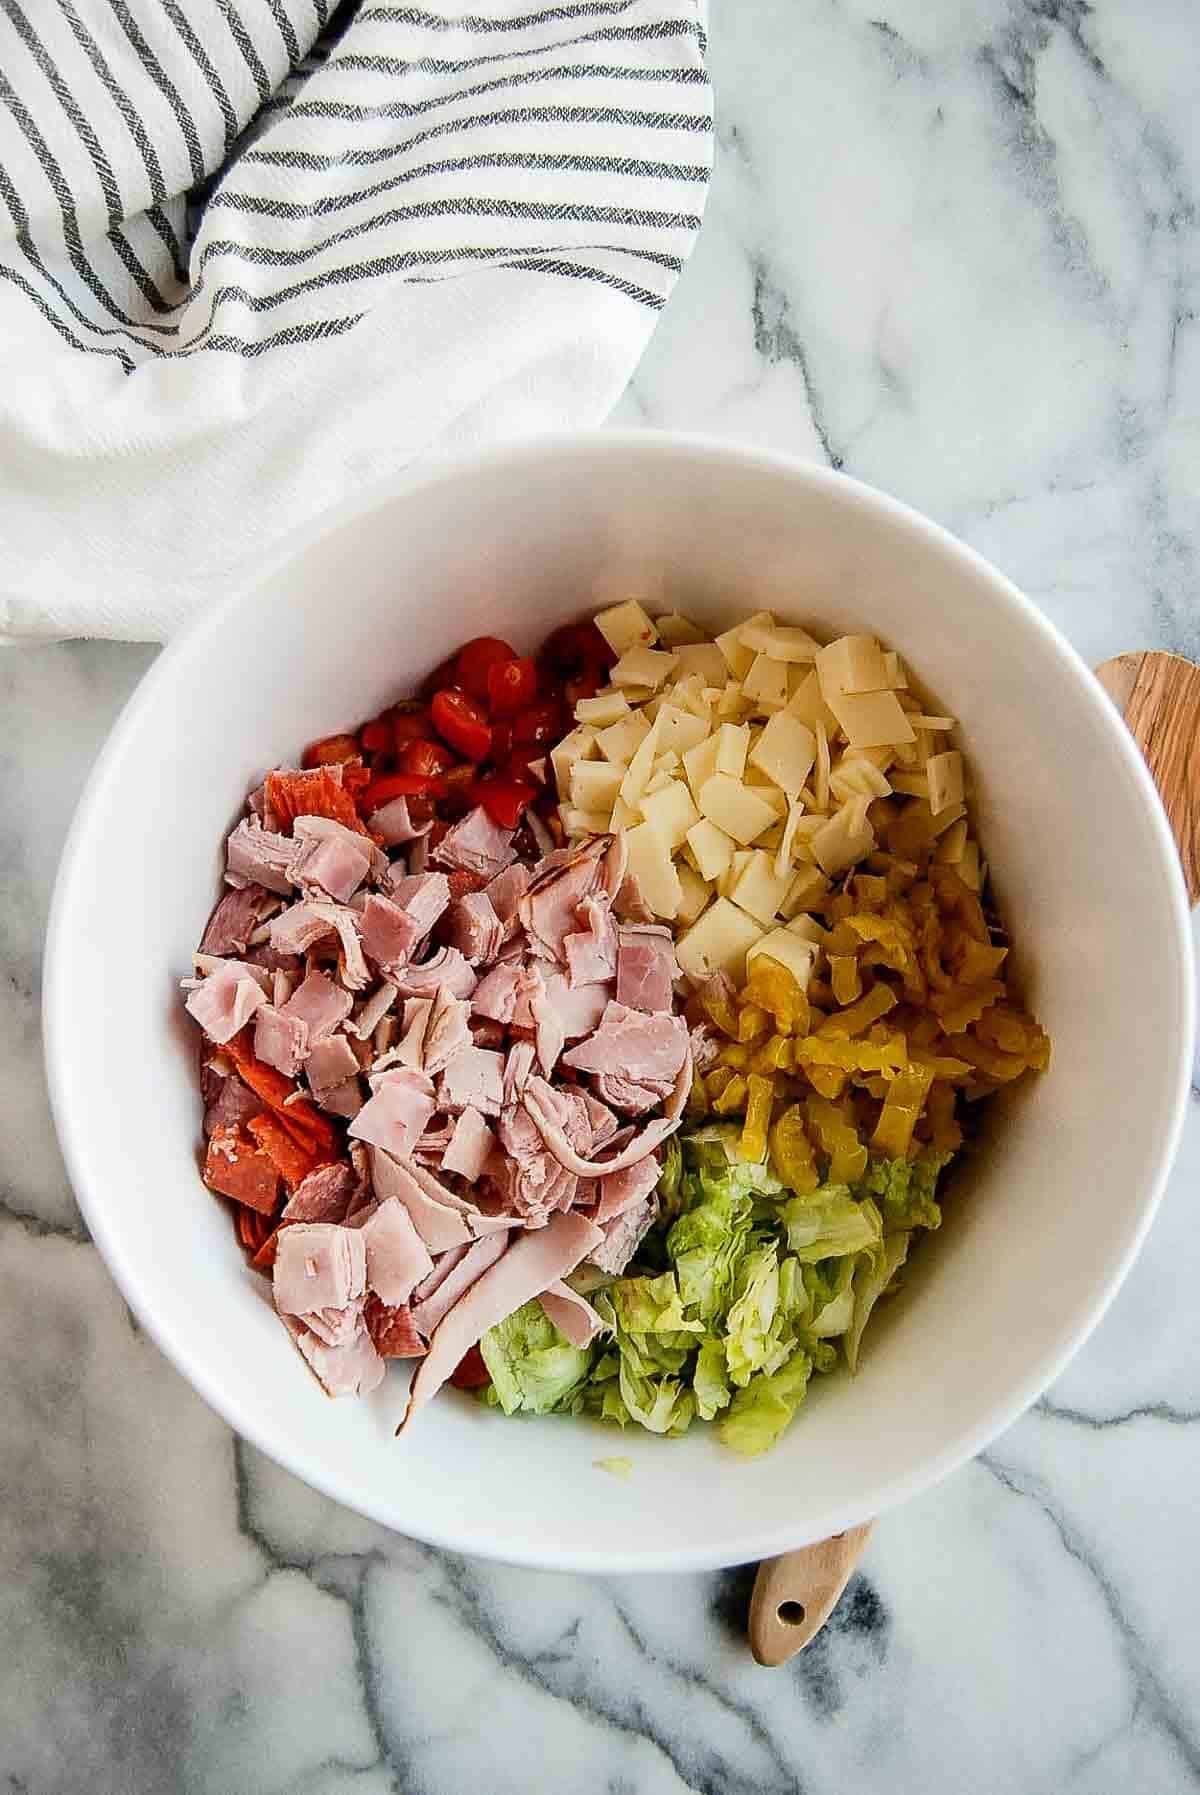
(744, 771)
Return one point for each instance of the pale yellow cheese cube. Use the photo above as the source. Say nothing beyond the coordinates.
(718, 942)
(624, 816)
(738, 658)
(766, 684)
(651, 864)
(608, 706)
(759, 889)
(846, 838)
(897, 678)
(970, 868)
(584, 822)
(945, 775)
(733, 741)
(674, 630)
(808, 888)
(742, 813)
(952, 846)
(713, 849)
(807, 704)
(780, 642)
(581, 744)
(694, 895)
(871, 719)
(643, 667)
(626, 626)
(785, 752)
(733, 871)
(637, 773)
(700, 763)
(621, 741)
(679, 730)
(595, 784)
(703, 659)
(671, 811)
(809, 929)
(851, 664)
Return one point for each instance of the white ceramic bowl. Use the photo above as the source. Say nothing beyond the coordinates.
(1039, 1232)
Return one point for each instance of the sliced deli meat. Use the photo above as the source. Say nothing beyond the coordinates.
(234, 920)
(439, 1225)
(428, 1311)
(571, 1313)
(324, 1196)
(258, 856)
(477, 845)
(397, 1257)
(319, 1265)
(398, 1112)
(225, 1001)
(532, 1263)
(631, 1044)
(646, 968)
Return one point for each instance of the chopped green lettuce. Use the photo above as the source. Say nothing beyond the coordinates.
(904, 1189)
(531, 1365)
(873, 1273)
(827, 1222)
(758, 1414)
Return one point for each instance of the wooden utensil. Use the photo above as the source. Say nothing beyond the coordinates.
(1159, 697)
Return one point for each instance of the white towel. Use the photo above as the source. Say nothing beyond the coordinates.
(257, 255)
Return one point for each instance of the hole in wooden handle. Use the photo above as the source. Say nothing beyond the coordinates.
(792, 1614)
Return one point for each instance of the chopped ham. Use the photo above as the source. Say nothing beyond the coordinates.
(633, 1045)
(532, 1263)
(466, 1271)
(476, 844)
(443, 1265)
(627, 1189)
(411, 1048)
(423, 896)
(354, 1369)
(254, 855)
(487, 1034)
(234, 920)
(320, 1004)
(495, 995)
(331, 865)
(280, 1040)
(580, 1008)
(398, 1112)
(473, 927)
(324, 1196)
(470, 1145)
(623, 1235)
(330, 1063)
(630, 1097)
(571, 1313)
(319, 1265)
(334, 1327)
(474, 1079)
(505, 892)
(372, 1011)
(389, 934)
(548, 909)
(550, 1038)
(629, 904)
(528, 1177)
(392, 1330)
(300, 927)
(393, 825)
(604, 1123)
(397, 1257)
(517, 1068)
(591, 952)
(541, 1107)
(446, 967)
(283, 983)
(616, 865)
(439, 1224)
(447, 1031)
(344, 1099)
(646, 968)
(224, 1002)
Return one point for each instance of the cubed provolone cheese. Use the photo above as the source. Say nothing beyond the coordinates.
(674, 630)
(742, 813)
(785, 752)
(759, 889)
(871, 719)
(780, 642)
(651, 864)
(626, 626)
(595, 784)
(846, 838)
(718, 942)
(647, 667)
(620, 741)
(608, 706)
(712, 848)
(581, 744)
(671, 810)
(705, 660)
(851, 664)
(694, 895)
(766, 684)
(945, 775)
(790, 950)
(680, 729)
(733, 741)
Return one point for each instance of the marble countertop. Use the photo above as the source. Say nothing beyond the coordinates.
(954, 247)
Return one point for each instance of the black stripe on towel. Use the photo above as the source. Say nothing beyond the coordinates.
(165, 86)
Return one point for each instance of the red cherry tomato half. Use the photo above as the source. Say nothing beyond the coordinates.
(330, 751)
(539, 724)
(453, 789)
(394, 785)
(575, 648)
(470, 1373)
(375, 737)
(427, 759)
(459, 721)
(503, 798)
(472, 668)
(411, 724)
(511, 686)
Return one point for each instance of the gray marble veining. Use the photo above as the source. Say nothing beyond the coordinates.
(952, 247)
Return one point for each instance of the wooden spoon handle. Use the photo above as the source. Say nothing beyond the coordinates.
(1159, 697)
(795, 1595)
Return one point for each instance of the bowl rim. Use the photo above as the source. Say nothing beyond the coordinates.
(739, 1543)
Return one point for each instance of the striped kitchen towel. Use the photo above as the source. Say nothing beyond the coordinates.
(258, 255)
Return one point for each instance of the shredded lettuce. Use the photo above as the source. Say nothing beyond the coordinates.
(744, 1291)
(531, 1365)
